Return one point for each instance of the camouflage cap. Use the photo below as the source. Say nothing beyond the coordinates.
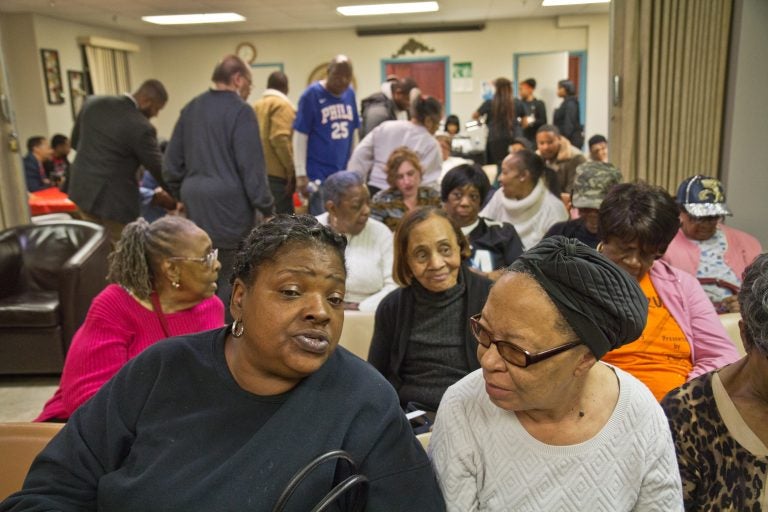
(702, 196)
(592, 182)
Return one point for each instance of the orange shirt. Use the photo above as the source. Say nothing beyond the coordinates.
(661, 356)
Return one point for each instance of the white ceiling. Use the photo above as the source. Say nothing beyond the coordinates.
(274, 15)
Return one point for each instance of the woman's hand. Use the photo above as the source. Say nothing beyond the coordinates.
(731, 304)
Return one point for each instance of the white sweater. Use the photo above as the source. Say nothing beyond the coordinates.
(532, 216)
(369, 258)
(486, 460)
(371, 155)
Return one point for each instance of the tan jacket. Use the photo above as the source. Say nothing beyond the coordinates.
(565, 164)
(275, 114)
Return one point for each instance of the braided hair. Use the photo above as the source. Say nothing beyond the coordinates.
(135, 262)
(265, 241)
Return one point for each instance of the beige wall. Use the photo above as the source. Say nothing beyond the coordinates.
(745, 166)
(184, 64)
(24, 75)
(23, 37)
(598, 80)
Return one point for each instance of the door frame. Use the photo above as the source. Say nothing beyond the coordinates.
(445, 60)
(582, 54)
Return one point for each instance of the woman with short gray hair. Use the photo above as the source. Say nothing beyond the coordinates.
(369, 249)
(719, 421)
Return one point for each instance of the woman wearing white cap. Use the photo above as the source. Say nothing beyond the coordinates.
(705, 247)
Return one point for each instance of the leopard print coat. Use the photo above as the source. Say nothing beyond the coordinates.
(718, 473)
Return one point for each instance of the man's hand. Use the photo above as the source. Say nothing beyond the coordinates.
(302, 182)
(163, 199)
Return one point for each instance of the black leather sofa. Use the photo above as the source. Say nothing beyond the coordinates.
(49, 274)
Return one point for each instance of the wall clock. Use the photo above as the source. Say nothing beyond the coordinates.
(247, 52)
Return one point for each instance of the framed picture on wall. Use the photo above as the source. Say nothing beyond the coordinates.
(52, 76)
(77, 92)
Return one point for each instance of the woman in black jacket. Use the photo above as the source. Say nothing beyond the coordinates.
(422, 342)
(567, 116)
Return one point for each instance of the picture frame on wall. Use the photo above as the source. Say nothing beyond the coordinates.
(77, 92)
(52, 74)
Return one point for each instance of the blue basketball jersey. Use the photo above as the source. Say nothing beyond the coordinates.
(329, 123)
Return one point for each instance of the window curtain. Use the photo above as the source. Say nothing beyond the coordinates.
(668, 68)
(108, 70)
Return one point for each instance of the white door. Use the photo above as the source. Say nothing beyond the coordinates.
(547, 69)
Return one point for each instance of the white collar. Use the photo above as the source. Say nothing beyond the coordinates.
(468, 229)
(533, 200)
(133, 100)
(279, 94)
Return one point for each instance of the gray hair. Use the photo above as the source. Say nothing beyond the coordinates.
(135, 262)
(753, 300)
(339, 183)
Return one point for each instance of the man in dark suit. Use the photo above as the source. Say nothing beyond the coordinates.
(113, 137)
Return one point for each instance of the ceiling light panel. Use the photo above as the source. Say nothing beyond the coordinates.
(195, 19)
(381, 9)
(559, 3)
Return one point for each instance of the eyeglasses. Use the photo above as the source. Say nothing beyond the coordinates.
(617, 252)
(510, 352)
(209, 260)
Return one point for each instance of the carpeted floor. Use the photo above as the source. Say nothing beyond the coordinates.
(22, 397)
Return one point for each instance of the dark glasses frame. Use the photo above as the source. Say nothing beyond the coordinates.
(503, 346)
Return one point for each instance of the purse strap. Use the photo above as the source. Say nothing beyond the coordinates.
(721, 283)
(339, 490)
(159, 312)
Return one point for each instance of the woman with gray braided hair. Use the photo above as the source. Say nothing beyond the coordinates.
(225, 419)
(163, 279)
(719, 421)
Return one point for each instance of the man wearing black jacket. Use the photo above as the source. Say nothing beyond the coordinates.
(393, 102)
(537, 110)
(113, 137)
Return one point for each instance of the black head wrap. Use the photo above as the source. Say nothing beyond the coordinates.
(602, 303)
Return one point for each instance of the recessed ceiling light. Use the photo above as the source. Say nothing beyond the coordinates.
(377, 9)
(194, 19)
(553, 3)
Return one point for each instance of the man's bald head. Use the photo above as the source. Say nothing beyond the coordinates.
(339, 75)
(232, 73)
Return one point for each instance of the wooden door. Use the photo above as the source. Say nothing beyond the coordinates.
(428, 74)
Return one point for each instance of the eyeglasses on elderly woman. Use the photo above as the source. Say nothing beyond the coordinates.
(512, 353)
(209, 260)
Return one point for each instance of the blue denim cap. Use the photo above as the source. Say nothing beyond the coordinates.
(702, 196)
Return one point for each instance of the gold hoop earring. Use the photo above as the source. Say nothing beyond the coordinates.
(599, 247)
(238, 328)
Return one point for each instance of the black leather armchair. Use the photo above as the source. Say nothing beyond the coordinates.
(49, 274)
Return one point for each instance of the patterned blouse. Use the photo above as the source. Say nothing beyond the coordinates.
(712, 264)
(388, 206)
(723, 463)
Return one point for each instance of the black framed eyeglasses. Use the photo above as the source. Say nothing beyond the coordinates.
(209, 260)
(512, 353)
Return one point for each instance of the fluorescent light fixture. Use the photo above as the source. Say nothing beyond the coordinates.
(194, 19)
(378, 9)
(554, 3)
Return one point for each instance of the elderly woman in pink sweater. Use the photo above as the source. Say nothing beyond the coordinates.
(705, 247)
(164, 283)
